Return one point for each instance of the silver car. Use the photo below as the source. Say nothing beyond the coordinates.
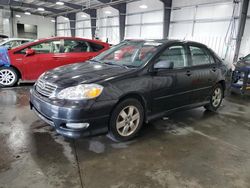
(13, 42)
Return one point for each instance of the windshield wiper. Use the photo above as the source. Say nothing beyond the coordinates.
(93, 60)
(129, 66)
(110, 63)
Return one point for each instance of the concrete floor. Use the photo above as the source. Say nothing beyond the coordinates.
(190, 149)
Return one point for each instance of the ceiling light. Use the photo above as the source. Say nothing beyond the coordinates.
(40, 9)
(84, 16)
(66, 18)
(60, 3)
(18, 16)
(53, 21)
(108, 12)
(27, 13)
(143, 6)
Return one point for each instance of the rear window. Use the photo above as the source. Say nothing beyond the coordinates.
(95, 47)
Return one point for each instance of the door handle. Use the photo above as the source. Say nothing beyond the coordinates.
(57, 57)
(188, 73)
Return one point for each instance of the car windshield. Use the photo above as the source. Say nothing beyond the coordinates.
(247, 58)
(3, 40)
(129, 53)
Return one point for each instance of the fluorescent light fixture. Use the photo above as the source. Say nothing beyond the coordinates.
(40, 9)
(53, 21)
(143, 6)
(27, 13)
(60, 3)
(84, 16)
(18, 16)
(108, 12)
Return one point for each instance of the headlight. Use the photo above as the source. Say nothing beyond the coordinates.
(84, 91)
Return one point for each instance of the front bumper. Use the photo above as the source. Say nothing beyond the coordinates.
(59, 113)
(241, 81)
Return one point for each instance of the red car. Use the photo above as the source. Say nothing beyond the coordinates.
(29, 61)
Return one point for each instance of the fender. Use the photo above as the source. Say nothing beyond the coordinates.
(4, 57)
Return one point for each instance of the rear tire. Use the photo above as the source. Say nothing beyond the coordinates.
(8, 77)
(126, 120)
(215, 98)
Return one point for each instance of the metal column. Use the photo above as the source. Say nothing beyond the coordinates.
(92, 14)
(72, 22)
(241, 28)
(166, 17)
(122, 8)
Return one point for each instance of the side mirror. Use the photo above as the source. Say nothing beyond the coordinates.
(164, 64)
(29, 52)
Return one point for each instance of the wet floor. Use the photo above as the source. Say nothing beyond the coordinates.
(189, 149)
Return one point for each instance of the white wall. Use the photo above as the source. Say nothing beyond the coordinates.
(206, 21)
(144, 23)
(5, 22)
(45, 28)
(83, 25)
(108, 25)
(63, 26)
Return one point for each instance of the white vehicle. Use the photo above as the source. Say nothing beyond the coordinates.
(13, 42)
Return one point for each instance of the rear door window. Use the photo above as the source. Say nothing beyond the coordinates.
(74, 46)
(200, 56)
(95, 47)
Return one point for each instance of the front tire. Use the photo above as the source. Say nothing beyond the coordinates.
(126, 120)
(8, 77)
(215, 98)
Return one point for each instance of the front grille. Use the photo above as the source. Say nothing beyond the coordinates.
(45, 88)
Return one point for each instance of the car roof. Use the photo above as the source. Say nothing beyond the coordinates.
(165, 41)
(11, 39)
(54, 38)
(80, 38)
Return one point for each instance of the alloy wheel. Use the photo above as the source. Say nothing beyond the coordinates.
(7, 77)
(128, 121)
(217, 97)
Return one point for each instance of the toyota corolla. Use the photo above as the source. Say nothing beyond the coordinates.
(134, 82)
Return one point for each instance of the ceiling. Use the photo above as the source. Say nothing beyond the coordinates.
(50, 8)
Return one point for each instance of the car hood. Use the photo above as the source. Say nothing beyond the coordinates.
(81, 73)
(243, 65)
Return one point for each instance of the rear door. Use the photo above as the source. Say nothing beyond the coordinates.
(204, 72)
(171, 88)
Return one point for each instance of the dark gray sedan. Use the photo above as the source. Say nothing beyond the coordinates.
(134, 82)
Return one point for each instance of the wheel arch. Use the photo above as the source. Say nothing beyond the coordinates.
(223, 84)
(17, 71)
(137, 96)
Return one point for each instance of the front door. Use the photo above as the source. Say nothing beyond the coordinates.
(44, 59)
(171, 87)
